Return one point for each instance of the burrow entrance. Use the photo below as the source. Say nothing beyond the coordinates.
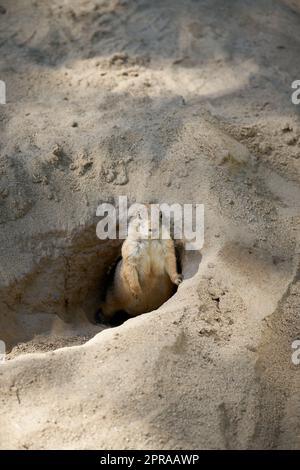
(54, 305)
(58, 298)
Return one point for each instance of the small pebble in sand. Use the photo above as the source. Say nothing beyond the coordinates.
(292, 141)
(286, 127)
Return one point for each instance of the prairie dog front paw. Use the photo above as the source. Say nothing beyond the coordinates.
(177, 279)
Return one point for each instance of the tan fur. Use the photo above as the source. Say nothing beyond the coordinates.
(146, 275)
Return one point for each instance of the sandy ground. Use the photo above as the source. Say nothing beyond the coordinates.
(177, 101)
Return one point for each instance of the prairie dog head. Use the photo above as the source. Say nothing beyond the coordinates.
(146, 222)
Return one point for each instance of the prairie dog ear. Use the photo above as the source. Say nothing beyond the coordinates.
(132, 213)
(138, 211)
(131, 217)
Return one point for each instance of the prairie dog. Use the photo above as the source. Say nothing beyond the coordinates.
(146, 275)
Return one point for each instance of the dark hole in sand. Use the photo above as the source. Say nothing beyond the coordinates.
(55, 303)
(121, 316)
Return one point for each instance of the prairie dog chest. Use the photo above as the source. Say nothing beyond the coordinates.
(151, 257)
